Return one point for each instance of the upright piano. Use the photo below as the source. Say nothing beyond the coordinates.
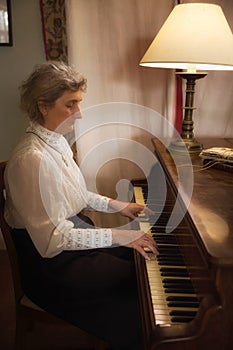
(186, 293)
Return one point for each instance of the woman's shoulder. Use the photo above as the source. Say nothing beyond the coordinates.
(28, 148)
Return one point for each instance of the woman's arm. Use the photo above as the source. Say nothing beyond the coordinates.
(36, 202)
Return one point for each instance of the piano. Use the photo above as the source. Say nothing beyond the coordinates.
(186, 293)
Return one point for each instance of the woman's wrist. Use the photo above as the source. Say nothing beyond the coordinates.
(116, 206)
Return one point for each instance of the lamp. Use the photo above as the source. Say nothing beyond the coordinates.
(195, 36)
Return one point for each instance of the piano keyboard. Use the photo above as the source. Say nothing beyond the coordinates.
(173, 296)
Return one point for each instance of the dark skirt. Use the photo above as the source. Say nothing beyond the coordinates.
(93, 289)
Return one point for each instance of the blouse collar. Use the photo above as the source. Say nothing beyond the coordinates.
(55, 140)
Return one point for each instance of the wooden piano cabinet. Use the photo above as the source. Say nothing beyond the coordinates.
(209, 222)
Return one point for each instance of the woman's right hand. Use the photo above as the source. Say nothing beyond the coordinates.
(135, 239)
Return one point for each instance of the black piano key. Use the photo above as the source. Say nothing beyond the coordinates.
(169, 263)
(176, 231)
(185, 313)
(185, 304)
(181, 287)
(168, 250)
(165, 239)
(165, 235)
(173, 269)
(169, 257)
(178, 291)
(176, 280)
(174, 273)
(159, 229)
(182, 298)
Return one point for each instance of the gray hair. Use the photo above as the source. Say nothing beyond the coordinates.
(47, 83)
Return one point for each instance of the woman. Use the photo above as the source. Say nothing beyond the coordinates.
(70, 268)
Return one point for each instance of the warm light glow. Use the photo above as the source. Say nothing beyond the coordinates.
(194, 35)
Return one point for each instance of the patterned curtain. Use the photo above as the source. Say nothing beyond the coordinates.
(53, 19)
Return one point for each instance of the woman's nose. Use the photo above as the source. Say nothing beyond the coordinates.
(77, 114)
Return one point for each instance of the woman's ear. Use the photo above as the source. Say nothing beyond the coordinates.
(43, 107)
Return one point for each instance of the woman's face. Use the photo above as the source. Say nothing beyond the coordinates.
(61, 116)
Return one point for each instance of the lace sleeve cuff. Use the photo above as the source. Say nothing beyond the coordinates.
(98, 202)
(78, 239)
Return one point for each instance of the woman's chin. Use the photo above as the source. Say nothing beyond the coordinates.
(65, 128)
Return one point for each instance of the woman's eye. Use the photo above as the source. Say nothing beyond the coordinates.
(70, 106)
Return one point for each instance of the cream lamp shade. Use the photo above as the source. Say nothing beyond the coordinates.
(195, 36)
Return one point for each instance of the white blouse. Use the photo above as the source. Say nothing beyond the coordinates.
(44, 187)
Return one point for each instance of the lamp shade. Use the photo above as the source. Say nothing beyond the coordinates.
(195, 36)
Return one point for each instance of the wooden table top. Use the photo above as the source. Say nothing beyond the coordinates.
(211, 205)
